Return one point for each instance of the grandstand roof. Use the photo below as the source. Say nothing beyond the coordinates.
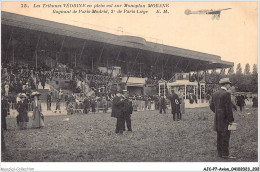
(209, 61)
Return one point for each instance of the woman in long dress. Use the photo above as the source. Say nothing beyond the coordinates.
(37, 111)
(182, 105)
(22, 108)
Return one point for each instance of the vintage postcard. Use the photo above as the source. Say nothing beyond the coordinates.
(170, 84)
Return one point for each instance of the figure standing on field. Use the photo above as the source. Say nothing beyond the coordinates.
(221, 105)
(117, 112)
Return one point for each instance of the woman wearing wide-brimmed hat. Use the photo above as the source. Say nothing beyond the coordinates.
(22, 117)
(37, 111)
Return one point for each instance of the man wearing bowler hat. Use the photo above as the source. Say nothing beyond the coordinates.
(127, 110)
(117, 112)
(221, 105)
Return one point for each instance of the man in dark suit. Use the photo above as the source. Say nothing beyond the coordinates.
(127, 110)
(175, 105)
(49, 101)
(162, 104)
(4, 112)
(221, 105)
(117, 112)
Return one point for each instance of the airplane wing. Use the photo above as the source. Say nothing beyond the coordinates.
(213, 12)
(217, 11)
(225, 9)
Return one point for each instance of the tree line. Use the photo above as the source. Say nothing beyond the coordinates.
(243, 81)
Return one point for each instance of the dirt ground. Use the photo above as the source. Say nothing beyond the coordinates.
(155, 138)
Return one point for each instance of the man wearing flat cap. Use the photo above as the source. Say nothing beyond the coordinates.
(221, 105)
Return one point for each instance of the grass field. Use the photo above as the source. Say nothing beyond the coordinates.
(155, 138)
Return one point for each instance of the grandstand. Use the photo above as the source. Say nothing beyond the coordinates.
(81, 60)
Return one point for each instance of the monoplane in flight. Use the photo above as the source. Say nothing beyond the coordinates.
(215, 13)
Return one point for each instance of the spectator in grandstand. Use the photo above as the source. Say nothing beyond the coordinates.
(255, 102)
(4, 112)
(117, 112)
(156, 102)
(175, 105)
(37, 111)
(60, 94)
(43, 80)
(57, 106)
(37, 80)
(66, 97)
(93, 104)
(104, 104)
(73, 97)
(22, 117)
(194, 97)
(190, 97)
(221, 105)
(250, 98)
(49, 101)
(70, 108)
(149, 103)
(86, 104)
(127, 110)
(145, 98)
(6, 89)
(19, 86)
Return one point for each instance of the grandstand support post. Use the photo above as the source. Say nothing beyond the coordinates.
(156, 59)
(107, 66)
(155, 66)
(101, 54)
(187, 66)
(8, 44)
(185, 91)
(140, 68)
(82, 50)
(61, 48)
(166, 62)
(172, 68)
(164, 65)
(36, 52)
(13, 53)
(75, 60)
(10, 39)
(162, 71)
(92, 64)
(177, 64)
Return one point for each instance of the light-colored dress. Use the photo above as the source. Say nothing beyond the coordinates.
(182, 105)
(37, 119)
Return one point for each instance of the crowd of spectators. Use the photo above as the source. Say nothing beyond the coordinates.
(19, 78)
(23, 78)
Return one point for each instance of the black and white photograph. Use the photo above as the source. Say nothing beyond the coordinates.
(141, 85)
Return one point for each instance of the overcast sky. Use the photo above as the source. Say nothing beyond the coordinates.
(234, 36)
